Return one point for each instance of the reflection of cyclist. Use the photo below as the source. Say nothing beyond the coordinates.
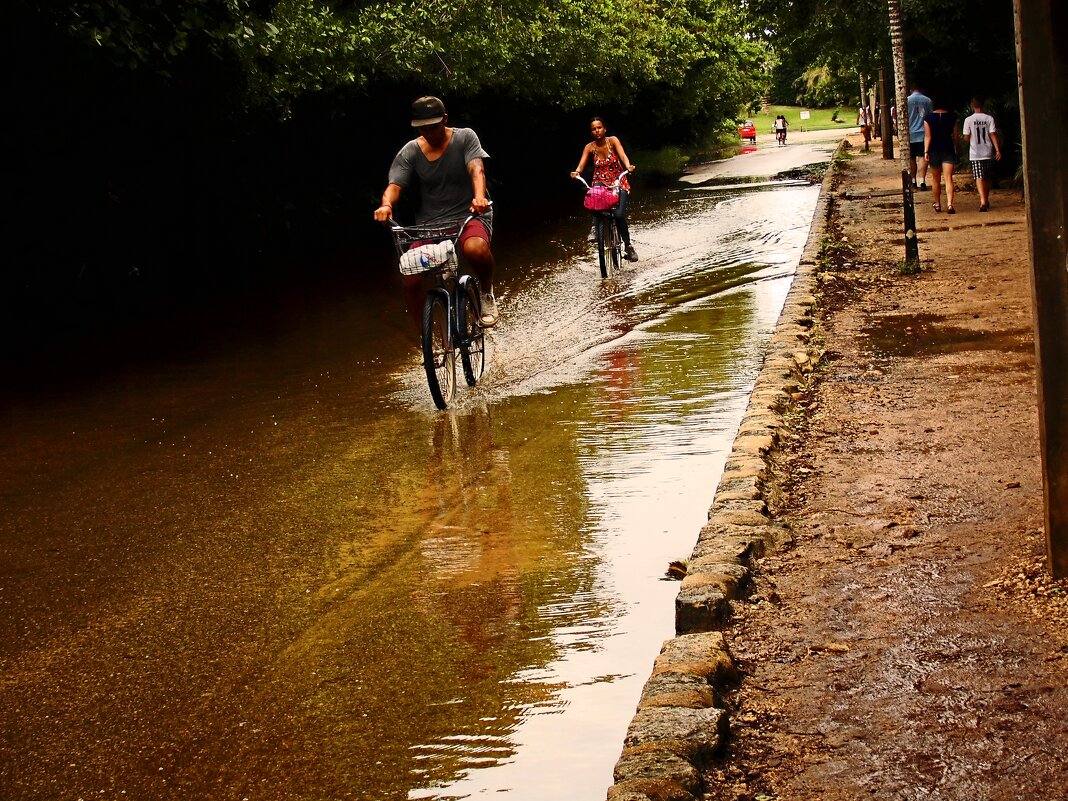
(609, 162)
(446, 164)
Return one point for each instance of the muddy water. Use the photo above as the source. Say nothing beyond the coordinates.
(260, 565)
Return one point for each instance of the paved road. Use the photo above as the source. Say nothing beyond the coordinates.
(768, 159)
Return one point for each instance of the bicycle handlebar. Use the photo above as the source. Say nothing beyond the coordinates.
(614, 185)
(442, 231)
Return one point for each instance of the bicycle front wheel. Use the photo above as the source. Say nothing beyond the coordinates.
(615, 245)
(439, 358)
(472, 336)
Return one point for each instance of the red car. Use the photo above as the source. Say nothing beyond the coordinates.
(747, 130)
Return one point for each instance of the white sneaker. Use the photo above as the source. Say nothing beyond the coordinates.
(489, 310)
(593, 233)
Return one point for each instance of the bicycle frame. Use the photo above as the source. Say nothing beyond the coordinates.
(450, 288)
(609, 244)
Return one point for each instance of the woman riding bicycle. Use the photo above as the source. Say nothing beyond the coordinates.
(609, 163)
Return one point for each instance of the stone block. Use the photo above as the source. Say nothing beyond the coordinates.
(648, 790)
(701, 729)
(657, 765)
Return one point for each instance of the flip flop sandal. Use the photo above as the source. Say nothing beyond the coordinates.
(936, 207)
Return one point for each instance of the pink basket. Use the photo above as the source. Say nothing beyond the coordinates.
(600, 198)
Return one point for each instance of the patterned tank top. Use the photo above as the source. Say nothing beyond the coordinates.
(606, 170)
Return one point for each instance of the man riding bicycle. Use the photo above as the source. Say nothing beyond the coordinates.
(446, 165)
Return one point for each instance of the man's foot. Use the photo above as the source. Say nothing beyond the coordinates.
(924, 187)
(593, 233)
(985, 207)
(630, 254)
(489, 310)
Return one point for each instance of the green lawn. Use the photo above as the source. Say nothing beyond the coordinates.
(820, 119)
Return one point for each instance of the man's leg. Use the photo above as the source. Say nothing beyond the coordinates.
(921, 170)
(478, 253)
(413, 298)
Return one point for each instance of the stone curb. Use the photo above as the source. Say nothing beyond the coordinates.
(680, 721)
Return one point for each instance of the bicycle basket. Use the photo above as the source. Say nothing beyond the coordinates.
(429, 257)
(600, 198)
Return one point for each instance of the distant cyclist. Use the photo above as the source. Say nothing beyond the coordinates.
(446, 165)
(609, 162)
(780, 126)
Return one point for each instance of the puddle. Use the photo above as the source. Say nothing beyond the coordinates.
(926, 335)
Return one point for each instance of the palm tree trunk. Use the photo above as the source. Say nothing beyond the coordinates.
(897, 49)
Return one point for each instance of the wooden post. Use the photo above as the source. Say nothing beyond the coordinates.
(884, 119)
(1042, 63)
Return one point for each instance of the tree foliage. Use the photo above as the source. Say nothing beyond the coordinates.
(562, 53)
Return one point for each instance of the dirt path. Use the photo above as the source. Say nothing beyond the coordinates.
(908, 644)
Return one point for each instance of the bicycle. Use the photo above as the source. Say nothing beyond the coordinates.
(452, 309)
(609, 242)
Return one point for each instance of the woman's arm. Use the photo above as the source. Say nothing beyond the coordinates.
(926, 139)
(614, 141)
(582, 162)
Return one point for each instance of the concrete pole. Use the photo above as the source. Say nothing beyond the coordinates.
(1042, 63)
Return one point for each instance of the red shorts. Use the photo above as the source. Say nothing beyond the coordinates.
(476, 229)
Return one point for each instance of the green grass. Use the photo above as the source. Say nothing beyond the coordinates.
(820, 119)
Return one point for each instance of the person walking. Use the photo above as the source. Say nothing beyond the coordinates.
(864, 121)
(446, 165)
(981, 134)
(919, 106)
(609, 163)
(940, 153)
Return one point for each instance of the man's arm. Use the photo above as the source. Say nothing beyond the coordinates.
(392, 194)
(997, 145)
(480, 203)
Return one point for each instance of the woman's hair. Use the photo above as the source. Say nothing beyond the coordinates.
(598, 119)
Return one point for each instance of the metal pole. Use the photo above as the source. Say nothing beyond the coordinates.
(1042, 62)
(912, 243)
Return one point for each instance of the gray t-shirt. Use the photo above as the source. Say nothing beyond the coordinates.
(444, 184)
(919, 107)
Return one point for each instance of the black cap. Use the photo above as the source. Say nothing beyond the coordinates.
(427, 110)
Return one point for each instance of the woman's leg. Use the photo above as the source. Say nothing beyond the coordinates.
(936, 185)
(620, 213)
(947, 170)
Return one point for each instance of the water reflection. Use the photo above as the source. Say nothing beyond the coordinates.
(267, 568)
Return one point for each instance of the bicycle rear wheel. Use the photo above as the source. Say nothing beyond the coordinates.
(472, 336)
(603, 225)
(439, 358)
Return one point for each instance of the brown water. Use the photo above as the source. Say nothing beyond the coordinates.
(263, 567)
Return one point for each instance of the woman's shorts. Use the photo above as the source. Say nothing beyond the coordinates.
(981, 168)
(939, 157)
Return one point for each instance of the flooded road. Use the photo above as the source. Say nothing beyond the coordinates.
(263, 567)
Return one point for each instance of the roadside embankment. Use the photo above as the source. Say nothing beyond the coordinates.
(681, 720)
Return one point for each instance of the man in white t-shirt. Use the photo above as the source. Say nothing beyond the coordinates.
(983, 148)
